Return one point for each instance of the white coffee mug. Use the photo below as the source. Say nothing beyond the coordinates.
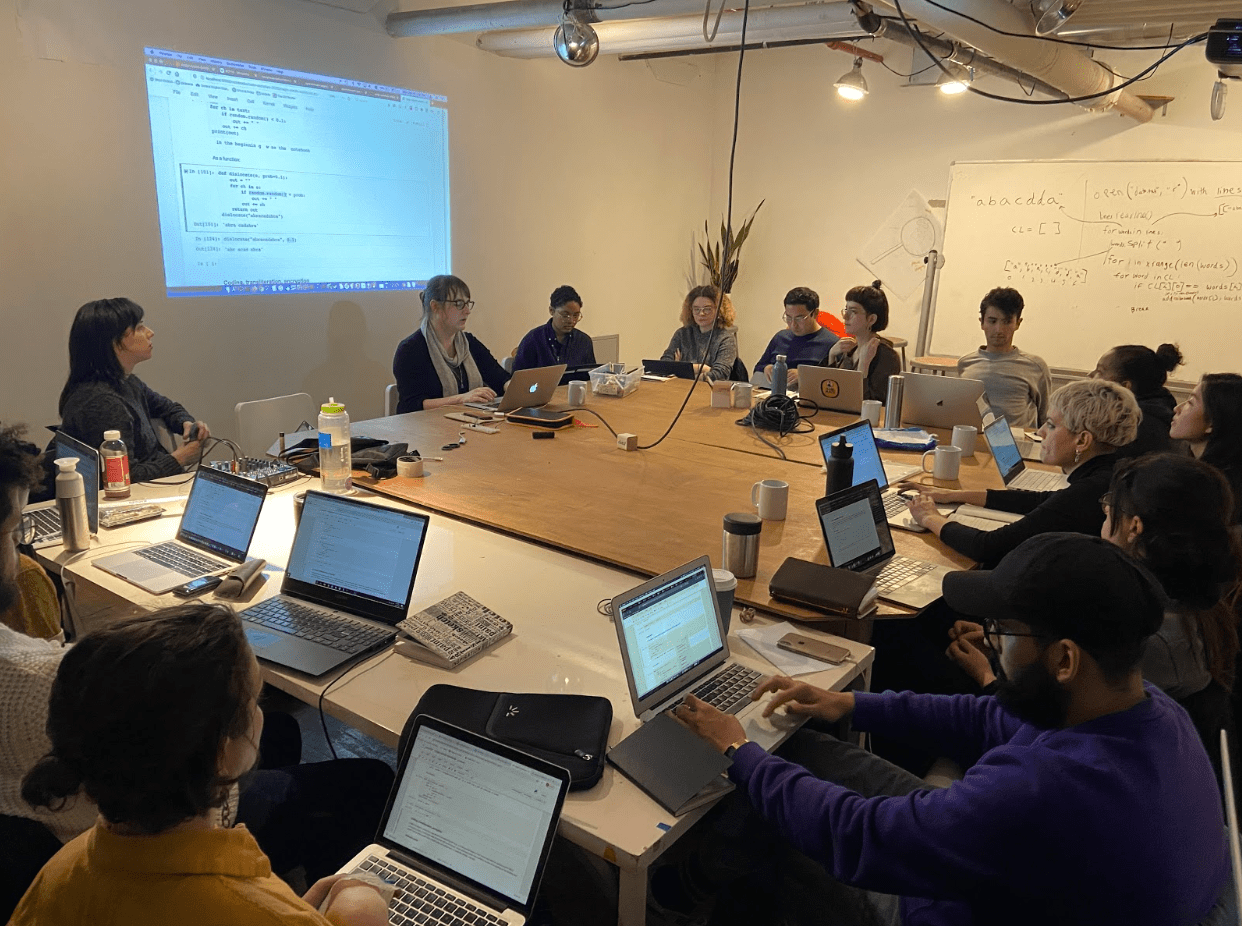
(577, 393)
(946, 463)
(871, 411)
(771, 497)
(964, 438)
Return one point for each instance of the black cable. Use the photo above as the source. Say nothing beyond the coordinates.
(917, 36)
(323, 720)
(1046, 38)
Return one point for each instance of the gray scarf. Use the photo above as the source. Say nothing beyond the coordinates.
(444, 366)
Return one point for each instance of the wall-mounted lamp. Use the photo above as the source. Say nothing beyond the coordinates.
(852, 85)
(574, 41)
(1051, 15)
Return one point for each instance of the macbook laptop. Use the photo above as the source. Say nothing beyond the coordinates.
(673, 643)
(349, 581)
(831, 389)
(531, 388)
(868, 465)
(45, 514)
(1009, 461)
(467, 831)
(216, 528)
(943, 401)
(578, 373)
(682, 369)
(857, 537)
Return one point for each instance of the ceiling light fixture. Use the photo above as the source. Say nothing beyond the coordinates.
(955, 79)
(574, 41)
(1051, 15)
(852, 85)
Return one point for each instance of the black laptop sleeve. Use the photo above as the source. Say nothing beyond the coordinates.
(567, 730)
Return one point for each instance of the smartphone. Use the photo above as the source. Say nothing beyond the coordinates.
(197, 587)
(816, 649)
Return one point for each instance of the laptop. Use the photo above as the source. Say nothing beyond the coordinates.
(857, 537)
(45, 514)
(868, 465)
(831, 389)
(578, 373)
(531, 388)
(349, 581)
(943, 401)
(682, 369)
(467, 831)
(673, 643)
(1008, 459)
(215, 533)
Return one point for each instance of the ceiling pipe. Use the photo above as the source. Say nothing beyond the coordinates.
(522, 14)
(678, 33)
(1061, 66)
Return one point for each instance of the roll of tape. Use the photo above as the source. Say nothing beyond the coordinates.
(409, 466)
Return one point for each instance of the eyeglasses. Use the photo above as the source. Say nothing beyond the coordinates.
(850, 313)
(1106, 501)
(569, 316)
(790, 319)
(25, 531)
(460, 304)
(993, 633)
(703, 309)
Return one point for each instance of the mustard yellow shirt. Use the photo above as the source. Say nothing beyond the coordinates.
(216, 877)
(37, 610)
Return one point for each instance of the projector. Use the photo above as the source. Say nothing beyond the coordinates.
(1224, 47)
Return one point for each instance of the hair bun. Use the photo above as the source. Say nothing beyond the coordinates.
(1169, 356)
(877, 284)
(50, 781)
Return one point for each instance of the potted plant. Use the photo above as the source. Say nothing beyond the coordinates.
(725, 251)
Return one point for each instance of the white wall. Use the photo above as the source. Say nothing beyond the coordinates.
(559, 176)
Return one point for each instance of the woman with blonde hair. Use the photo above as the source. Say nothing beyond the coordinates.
(707, 337)
(1087, 421)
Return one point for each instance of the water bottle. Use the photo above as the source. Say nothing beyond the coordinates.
(892, 405)
(840, 467)
(780, 375)
(75, 531)
(335, 463)
(116, 465)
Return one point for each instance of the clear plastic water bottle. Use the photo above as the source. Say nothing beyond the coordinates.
(335, 463)
(780, 375)
(116, 465)
(75, 530)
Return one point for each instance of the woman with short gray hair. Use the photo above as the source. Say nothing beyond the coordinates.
(1087, 421)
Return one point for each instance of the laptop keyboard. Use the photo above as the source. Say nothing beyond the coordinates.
(180, 560)
(730, 690)
(420, 902)
(47, 523)
(1038, 480)
(894, 505)
(901, 571)
(332, 630)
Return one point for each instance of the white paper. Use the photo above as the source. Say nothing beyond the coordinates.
(763, 641)
(895, 252)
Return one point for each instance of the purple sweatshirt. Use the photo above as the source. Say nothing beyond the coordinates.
(1117, 820)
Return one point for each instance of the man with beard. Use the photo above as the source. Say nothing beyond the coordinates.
(1088, 797)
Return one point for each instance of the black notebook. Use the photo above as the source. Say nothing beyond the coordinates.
(676, 767)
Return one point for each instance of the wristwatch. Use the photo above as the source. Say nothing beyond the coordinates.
(729, 751)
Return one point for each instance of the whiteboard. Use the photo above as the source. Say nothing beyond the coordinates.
(1103, 252)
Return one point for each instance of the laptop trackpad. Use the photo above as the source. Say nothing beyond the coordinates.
(135, 568)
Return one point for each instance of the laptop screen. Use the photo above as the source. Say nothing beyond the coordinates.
(221, 513)
(88, 469)
(671, 630)
(475, 812)
(359, 552)
(1004, 448)
(867, 462)
(855, 527)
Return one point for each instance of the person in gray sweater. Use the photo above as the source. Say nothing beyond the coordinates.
(106, 342)
(1017, 384)
(707, 337)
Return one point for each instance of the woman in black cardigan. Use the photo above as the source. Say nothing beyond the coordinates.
(1087, 421)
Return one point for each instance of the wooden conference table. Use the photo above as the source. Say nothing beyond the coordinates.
(560, 644)
(645, 510)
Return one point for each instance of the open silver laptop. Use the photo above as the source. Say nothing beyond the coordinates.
(349, 581)
(215, 533)
(857, 537)
(943, 401)
(531, 388)
(45, 514)
(1008, 459)
(868, 465)
(468, 829)
(831, 389)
